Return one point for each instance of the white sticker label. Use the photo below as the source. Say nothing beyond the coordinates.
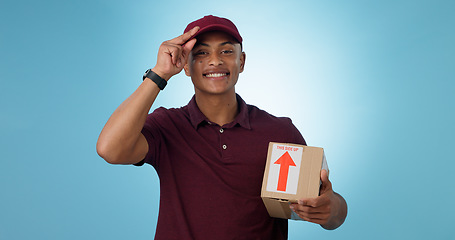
(284, 169)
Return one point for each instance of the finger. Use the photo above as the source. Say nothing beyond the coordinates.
(324, 176)
(187, 47)
(309, 202)
(321, 205)
(313, 216)
(326, 185)
(175, 55)
(180, 62)
(173, 51)
(320, 220)
(305, 209)
(180, 40)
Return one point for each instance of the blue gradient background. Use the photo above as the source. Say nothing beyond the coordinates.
(370, 81)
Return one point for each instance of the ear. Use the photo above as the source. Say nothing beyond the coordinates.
(242, 61)
(187, 70)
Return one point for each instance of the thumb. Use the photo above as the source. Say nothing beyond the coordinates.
(324, 176)
(326, 184)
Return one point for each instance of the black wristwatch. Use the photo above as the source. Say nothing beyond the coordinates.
(155, 78)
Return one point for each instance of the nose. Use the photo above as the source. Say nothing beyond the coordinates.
(215, 60)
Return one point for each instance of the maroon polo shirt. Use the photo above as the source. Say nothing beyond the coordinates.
(211, 175)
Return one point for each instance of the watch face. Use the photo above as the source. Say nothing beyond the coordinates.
(145, 74)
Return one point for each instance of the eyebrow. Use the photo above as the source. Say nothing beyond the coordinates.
(228, 42)
(206, 45)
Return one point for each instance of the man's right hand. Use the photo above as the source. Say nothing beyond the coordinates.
(173, 54)
(121, 140)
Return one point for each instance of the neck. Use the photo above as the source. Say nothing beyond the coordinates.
(219, 109)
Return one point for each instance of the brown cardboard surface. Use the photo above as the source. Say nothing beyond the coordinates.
(308, 169)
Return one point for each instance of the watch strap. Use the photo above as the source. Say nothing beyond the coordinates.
(155, 78)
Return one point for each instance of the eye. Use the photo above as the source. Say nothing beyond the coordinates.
(200, 53)
(227, 51)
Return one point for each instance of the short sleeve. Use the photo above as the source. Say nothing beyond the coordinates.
(152, 134)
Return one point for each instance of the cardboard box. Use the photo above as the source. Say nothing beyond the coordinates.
(292, 172)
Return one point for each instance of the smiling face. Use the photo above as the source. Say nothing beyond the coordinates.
(215, 63)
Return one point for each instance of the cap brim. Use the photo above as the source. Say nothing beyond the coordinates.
(217, 27)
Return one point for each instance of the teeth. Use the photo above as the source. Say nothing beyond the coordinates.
(216, 74)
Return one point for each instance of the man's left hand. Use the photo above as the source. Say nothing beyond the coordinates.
(329, 209)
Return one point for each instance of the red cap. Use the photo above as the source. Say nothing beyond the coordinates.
(213, 23)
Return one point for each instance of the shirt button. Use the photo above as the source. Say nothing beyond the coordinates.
(224, 146)
(221, 130)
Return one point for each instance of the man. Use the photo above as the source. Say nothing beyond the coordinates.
(209, 155)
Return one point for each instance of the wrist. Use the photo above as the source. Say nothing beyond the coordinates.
(161, 74)
(157, 79)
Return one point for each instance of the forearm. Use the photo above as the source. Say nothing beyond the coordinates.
(121, 141)
(118, 140)
(339, 214)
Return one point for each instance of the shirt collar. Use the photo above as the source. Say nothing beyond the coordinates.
(197, 117)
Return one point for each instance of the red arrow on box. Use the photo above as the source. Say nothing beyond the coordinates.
(285, 162)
